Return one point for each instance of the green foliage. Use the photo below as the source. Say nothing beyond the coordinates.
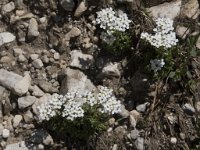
(122, 43)
(178, 62)
(81, 128)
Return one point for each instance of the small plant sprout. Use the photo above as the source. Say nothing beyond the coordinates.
(157, 64)
(164, 36)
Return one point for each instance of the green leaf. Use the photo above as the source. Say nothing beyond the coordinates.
(193, 52)
(172, 74)
(189, 75)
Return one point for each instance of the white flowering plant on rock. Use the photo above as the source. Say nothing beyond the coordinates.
(79, 115)
(114, 36)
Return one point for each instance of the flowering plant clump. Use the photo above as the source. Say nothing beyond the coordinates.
(109, 20)
(76, 110)
(114, 38)
(164, 35)
(163, 40)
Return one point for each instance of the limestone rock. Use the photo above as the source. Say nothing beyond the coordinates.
(170, 10)
(80, 60)
(191, 9)
(8, 7)
(182, 31)
(76, 80)
(26, 101)
(6, 37)
(16, 83)
(16, 120)
(82, 7)
(33, 29)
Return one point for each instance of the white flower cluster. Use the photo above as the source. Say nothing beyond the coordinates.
(164, 35)
(108, 101)
(157, 64)
(107, 37)
(70, 105)
(109, 20)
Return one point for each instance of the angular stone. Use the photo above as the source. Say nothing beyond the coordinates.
(169, 10)
(37, 91)
(191, 9)
(24, 102)
(182, 31)
(16, 83)
(82, 7)
(189, 109)
(76, 80)
(6, 37)
(5, 133)
(110, 70)
(28, 116)
(16, 120)
(33, 28)
(8, 7)
(80, 60)
(139, 143)
(37, 63)
(47, 87)
(198, 43)
(74, 32)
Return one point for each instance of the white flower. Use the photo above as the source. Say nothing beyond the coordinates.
(157, 64)
(164, 35)
(109, 20)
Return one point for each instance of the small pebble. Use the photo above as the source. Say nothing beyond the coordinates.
(173, 140)
(6, 133)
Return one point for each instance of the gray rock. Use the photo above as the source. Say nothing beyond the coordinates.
(124, 113)
(76, 80)
(182, 31)
(74, 32)
(8, 7)
(37, 91)
(5, 133)
(189, 109)
(47, 87)
(17, 146)
(190, 9)
(142, 107)
(82, 7)
(37, 63)
(139, 143)
(34, 56)
(115, 147)
(16, 120)
(33, 29)
(28, 116)
(134, 134)
(173, 140)
(132, 121)
(21, 58)
(16, 83)
(80, 60)
(169, 10)
(56, 56)
(24, 102)
(68, 5)
(17, 51)
(110, 70)
(1, 129)
(6, 37)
